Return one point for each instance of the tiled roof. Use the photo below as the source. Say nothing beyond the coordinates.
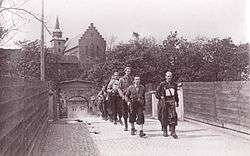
(56, 58)
(72, 43)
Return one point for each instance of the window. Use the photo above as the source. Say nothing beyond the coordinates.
(59, 50)
(97, 50)
(86, 50)
(91, 49)
(59, 43)
(74, 108)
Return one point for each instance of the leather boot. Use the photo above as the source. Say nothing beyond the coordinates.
(141, 134)
(132, 131)
(126, 126)
(165, 132)
(120, 121)
(173, 134)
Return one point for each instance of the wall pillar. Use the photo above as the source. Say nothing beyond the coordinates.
(154, 106)
(51, 106)
(180, 109)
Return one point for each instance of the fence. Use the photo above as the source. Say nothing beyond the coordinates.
(225, 104)
(23, 115)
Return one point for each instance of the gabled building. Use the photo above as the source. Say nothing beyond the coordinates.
(86, 46)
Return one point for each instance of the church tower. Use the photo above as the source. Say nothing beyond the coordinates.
(58, 42)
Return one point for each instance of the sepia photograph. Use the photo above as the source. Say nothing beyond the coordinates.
(124, 78)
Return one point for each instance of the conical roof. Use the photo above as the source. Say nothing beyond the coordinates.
(57, 23)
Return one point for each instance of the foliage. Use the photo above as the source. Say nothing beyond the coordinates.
(199, 60)
(28, 64)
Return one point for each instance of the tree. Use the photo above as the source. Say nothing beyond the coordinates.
(224, 60)
(28, 64)
(136, 54)
(10, 25)
(111, 40)
(200, 60)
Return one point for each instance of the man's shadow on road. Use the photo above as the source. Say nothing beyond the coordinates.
(181, 133)
(178, 131)
(181, 136)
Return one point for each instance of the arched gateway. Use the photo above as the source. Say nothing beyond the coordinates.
(74, 98)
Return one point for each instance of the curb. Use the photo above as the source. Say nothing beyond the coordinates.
(221, 129)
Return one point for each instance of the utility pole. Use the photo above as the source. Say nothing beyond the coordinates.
(1, 1)
(42, 64)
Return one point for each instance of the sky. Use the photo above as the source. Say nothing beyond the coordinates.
(150, 18)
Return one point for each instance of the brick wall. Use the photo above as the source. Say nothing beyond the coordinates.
(23, 115)
(91, 44)
(225, 104)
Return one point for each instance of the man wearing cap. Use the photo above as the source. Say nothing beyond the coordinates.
(115, 95)
(124, 83)
(135, 97)
(168, 101)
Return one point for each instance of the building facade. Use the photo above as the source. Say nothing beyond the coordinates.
(87, 46)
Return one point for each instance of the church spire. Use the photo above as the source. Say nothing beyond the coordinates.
(58, 42)
(57, 33)
(57, 23)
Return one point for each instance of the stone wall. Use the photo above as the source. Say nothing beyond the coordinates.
(225, 104)
(72, 90)
(23, 115)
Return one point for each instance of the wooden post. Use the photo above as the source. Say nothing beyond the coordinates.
(42, 64)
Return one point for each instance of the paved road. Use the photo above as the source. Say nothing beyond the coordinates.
(195, 139)
(68, 139)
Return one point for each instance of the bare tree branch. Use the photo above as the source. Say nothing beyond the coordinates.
(26, 11)
(111, 41)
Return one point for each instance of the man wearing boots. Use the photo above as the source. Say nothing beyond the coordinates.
(102, 99)
(124, 83)
(168, 101)
(115, 95)
(135, 97)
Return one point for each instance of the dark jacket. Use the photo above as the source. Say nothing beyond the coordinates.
(136, 94)
(167, 90)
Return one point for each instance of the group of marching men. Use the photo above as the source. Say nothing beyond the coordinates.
(125, 98)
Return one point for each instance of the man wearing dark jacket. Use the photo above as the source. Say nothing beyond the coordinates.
(168, 101)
